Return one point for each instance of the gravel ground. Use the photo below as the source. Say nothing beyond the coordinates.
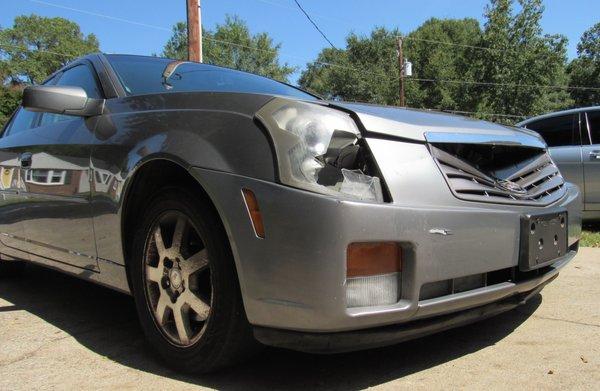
(61, 333)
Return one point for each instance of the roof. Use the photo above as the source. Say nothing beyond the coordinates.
(558, 113)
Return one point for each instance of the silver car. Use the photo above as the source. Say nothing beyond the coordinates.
(238, 210)
(573, 138)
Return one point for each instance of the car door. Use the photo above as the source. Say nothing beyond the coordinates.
(563, 136)
(12, 203)
(591, 160)
(55, 172)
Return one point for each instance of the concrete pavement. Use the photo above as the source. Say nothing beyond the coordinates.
(57, 332)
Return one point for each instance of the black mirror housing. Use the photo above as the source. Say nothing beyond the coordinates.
(69, 100)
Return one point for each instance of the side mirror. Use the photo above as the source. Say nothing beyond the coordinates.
(61, 100)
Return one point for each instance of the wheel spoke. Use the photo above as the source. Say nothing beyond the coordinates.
(154, 273)
(161, 309)
(160, 244)
(182, 323)
(195, 262)
(197, 305)
(178, 234)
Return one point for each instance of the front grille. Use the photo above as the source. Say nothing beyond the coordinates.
(528, 178)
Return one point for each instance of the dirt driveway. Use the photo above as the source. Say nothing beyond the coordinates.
(57, 332)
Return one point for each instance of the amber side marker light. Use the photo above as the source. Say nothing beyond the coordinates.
(254, 212)
(373, 274)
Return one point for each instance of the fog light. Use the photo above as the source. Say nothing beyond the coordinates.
(373, 274)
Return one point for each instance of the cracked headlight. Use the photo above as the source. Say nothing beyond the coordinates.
(319, 149)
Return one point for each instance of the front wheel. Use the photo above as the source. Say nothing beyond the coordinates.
(185, 285)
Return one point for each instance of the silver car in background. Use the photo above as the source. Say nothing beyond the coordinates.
(236, 209)
(573, 138)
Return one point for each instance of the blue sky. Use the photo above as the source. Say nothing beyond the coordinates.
(281, 19)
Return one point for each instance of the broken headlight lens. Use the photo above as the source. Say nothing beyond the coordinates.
(318, 149)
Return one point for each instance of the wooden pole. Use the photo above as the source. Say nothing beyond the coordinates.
(194, 27)
(400, 71)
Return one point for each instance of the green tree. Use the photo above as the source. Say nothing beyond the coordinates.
(10, 98)
(232, 45)
(33, 48)
(519, 60)
(585, 69)
(434, 60)
(37, 46)
(367, 70)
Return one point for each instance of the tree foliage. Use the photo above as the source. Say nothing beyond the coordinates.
(232, 45)
(489, 70)
(433, 60)
(37, 46)
(32, 49)
(585, 69)
(519, 58)
(10, 98)
(363, 72)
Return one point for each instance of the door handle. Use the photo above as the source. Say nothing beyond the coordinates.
(26, 159)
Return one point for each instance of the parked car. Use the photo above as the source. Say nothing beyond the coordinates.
(237, 209)
(573, 138)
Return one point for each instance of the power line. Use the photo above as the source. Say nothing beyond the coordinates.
(363, 71)
(409, 38)
(313, 23)
(514, 85)
(115, 18)
(36, 50)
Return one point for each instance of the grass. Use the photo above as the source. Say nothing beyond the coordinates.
(590, 237)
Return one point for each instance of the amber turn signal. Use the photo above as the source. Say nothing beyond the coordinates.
(371, 259)
(254, 212)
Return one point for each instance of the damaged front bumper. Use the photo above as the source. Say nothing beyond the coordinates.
(293, 281)
(348, 341)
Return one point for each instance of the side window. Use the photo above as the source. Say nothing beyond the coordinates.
(594, 123)
(80, 76)
(558, 131)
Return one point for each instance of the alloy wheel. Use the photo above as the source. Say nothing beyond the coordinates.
(177, 279)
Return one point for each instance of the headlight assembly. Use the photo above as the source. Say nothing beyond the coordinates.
(318, 149)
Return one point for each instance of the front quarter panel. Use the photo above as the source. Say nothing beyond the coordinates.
(216, 131)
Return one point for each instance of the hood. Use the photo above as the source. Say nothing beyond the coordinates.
(431, 126)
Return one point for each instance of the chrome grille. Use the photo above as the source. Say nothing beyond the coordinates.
(535, 182)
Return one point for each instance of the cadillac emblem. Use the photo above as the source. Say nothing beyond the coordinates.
(511, 186)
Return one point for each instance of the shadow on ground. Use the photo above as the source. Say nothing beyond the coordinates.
(105, 322)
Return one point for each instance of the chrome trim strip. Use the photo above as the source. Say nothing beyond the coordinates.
(523, 140)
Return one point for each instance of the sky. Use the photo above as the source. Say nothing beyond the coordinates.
(143, 26)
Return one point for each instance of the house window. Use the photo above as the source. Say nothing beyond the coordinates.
(45, 177)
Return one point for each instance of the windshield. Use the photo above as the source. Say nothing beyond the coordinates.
(152, 75)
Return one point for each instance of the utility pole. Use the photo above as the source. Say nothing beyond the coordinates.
(400, 70)
(194, 28)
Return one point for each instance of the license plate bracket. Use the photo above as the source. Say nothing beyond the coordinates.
(543, 239)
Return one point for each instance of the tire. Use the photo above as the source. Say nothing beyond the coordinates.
(10, 269)
(199, 340)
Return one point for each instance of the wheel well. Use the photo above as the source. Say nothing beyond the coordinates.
(148, 179)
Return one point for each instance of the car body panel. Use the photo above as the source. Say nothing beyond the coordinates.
(303, 254)
(56, 188)
(414, 124)
(211, 130)
(12, 203)
(579, 164)
(570, 162)
(591, 168)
